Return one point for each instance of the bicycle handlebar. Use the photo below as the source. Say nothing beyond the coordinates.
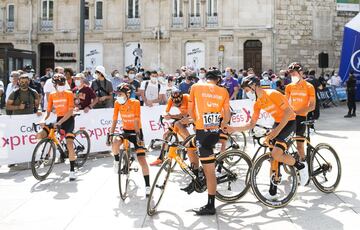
(153, 141)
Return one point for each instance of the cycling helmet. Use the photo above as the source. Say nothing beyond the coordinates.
(250, 80)
(59, 79)
(124, 87)
(295, 66)
(176, 97)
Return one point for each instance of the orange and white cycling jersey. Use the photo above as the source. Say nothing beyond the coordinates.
(183, 107)
(274, 103)
(129, 112)
(299, 95)
(62, 102)
(208, 102)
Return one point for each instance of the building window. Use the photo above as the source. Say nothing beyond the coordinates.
(178, 8)
(195, 8)
(99, 10)
(212, 8)
(47, 10)
(10, 18)
(133, 8)
(87, 11)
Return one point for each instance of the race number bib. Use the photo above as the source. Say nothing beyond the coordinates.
(211, 120)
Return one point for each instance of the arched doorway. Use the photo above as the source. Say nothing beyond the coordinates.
(253, 55)
(47, 57)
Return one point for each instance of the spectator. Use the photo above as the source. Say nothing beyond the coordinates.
(88, 77)
(103, 89)
(250, 72)
(202, 74)
(315, 82)
(230, 83)
(13, 85)
(335, 80)
(274, 80)
(280, 87)
(85, 98)
(152, 91)
(23, 100)
(116, 79)
(1, 93)
(48, 74)
(170, 86)
(242, 74)
(351, 95)
(284, 77)
(139, 77)
(265, 82)
(185, 85)
(69, 73)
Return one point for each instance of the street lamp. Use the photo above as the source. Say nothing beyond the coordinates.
(82, 34)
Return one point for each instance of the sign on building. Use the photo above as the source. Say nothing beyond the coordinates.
(93, 56)
(347, 5)
(133, 55)
(195, 55)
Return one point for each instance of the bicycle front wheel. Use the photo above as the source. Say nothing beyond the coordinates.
(43, 159)
(233, 177)
(273, 192)
(158, 187)
(325, 168)
(123, 174)
(81, 147)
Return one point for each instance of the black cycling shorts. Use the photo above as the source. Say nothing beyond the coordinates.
(140, 150)
(67, 126)
(283, 140)
(205, 142)
(300, 128)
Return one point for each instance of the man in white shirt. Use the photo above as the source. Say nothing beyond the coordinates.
(14, 84)
(49, 85)
(335, 80)
(152, 91)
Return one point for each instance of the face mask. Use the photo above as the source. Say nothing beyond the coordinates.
(282, 77)
(61, 88)
(266, 78)
(275, 80)
(30, 75)
(77, 83)
(24, 85)
(121, 100)
(177, 74)
(161, 80)
(95, 76)
(132, 76)
(201, 75)
(153, 80)
(117, 75)
(251, 95)
(295, 79)
(227, 74)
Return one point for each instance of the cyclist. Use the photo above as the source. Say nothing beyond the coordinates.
(63, 102)
(180, 101)
(129, 110)
(301, 96)
(207, 102)
(278, 107)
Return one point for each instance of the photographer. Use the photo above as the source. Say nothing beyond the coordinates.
(23, 100)
(103, 89)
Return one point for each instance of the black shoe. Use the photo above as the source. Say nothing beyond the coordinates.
(348, 116)
(205, 211)
(190, 188)
(273, 189)
(353, 115)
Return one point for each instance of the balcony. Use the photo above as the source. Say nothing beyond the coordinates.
(10, 26)
(87, 24)
(98, 24)
(177, 22)
(46, 25)
(194, 21)
(212, 21)
(133, 23)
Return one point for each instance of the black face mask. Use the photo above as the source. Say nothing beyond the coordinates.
(24, 85)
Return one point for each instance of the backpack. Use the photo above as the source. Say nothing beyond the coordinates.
(100, 88)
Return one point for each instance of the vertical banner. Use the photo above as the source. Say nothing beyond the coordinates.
(195, 55)
(93, 56)
(133, 55)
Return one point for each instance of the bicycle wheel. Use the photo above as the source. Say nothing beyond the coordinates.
(123, 174)
(232, 178)
(240, 139)
(81, 147)
(261, 183)
(158, 187)
(325, 168)
(43, 159)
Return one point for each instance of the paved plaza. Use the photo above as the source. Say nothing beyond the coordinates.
(93, 202)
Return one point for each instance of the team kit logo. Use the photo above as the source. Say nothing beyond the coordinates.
(355, 61)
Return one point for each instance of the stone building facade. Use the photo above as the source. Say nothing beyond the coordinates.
(171, 33)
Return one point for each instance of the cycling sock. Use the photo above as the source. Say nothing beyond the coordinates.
(299, 165)
(147, 180)
(196, 172)
(116, 157)
(72, 166)
(211, 201)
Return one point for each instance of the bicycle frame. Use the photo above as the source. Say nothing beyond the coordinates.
(173, 155)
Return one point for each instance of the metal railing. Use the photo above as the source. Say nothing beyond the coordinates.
(212, 21)
(177, 21)
(10, 26)
(98, 24)
(46, 25)
(195, 21)
(133, 23)
(87, 24)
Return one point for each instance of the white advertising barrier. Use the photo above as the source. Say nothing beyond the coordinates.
(17, 137)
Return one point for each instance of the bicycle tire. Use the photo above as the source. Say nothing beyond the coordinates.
(78, 146)
(243, 159)
(123, 174)
(243, 137)
(256, 190)
(35, 162)
(151, 204)
(315, 158)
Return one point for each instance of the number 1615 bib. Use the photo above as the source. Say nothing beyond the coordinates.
(211, 120)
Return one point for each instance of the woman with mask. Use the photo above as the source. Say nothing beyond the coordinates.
(129, 110)
(85, 97)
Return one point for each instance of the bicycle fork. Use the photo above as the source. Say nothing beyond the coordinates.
(275, 176)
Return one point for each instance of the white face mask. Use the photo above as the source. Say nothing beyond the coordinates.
(30, 75)
(161, 80)
(266, 78)
(131, 76)
(61, 88)
(77, 83)
(117, 75)
(153, 80)
(201, 75)
(95, 76)
(295, 79)
(121, 100)
(251, 95)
